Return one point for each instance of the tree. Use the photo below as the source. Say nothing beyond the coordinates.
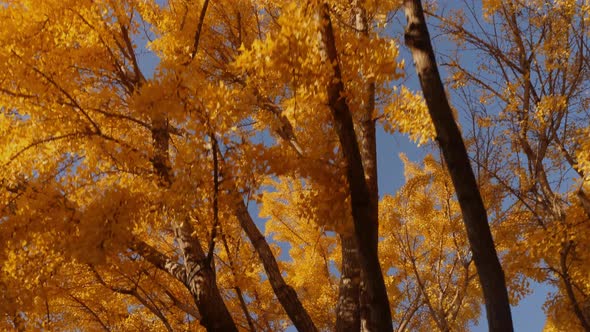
(531, 82)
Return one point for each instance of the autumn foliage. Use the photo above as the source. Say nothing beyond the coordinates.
(212, 165)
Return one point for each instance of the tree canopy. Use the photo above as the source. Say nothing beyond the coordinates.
(139, 137)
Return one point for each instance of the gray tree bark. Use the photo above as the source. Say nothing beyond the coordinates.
(348, 314)
(486, 260)
(200, 276)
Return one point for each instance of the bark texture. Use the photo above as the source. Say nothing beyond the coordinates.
(352, 312)
(348, 314)
(488, 266)
(200, 280)
(199, 273)
(365, 127)
(363, 211)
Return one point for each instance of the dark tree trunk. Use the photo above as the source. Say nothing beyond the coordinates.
(285, 293)
(348, 318)
(364, 213)
(368, 149)
(449, 138)
(200, 280)
(569, 287)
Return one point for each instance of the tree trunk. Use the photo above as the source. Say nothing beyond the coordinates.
(285, 293)
(368, 149)
(201, 283)
(449, 138)
(18, 322)
(348, 316)
(364, 213)
(569, 287)
(199, 271)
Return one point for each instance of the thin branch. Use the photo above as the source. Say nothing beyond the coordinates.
(91, 312)
(199, 29)
(46, 140)
(63, 91)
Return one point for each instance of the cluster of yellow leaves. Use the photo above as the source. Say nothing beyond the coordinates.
(565, 246)
(425, 248)
(408, 114)
(297, 215)
(323, 206)
(490, 6)
(583, 154)
(548, 105)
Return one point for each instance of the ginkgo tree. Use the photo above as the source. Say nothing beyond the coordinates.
(528, 98)
(125, 192)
